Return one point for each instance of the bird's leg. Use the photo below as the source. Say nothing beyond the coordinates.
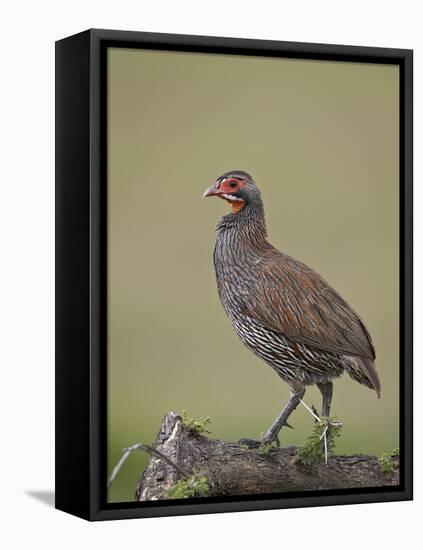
(272, 433)
(326, 389)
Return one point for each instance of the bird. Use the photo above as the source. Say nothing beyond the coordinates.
(281, 309)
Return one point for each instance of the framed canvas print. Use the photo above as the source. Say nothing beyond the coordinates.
(251, 350)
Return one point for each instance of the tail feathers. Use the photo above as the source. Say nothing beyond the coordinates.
(363, 370)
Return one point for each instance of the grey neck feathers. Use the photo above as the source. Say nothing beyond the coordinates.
(248, 225)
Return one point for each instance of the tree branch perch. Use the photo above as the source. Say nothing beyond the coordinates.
(231, 469)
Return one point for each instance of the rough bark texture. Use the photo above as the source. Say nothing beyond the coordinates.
(232, 469)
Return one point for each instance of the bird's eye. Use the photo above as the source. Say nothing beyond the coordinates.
(233, 184)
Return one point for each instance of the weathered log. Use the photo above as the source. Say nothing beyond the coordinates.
(232, 469)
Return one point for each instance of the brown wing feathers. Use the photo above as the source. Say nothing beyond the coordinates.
(290, 298)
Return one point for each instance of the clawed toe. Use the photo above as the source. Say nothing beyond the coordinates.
(268, 441)
(264, 445)
(250, 443)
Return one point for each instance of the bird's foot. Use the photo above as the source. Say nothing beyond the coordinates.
(266, 442)
(266, 447)
(250, 443)
(262, 445)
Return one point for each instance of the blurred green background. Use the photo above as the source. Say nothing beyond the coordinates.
(321, 140)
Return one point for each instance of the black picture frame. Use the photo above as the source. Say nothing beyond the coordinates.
(81, 271)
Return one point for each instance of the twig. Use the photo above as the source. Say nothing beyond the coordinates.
(310, 411)
(147, 449)
(325, 439)
(166, 459)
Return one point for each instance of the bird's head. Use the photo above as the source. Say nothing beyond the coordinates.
(236, 187)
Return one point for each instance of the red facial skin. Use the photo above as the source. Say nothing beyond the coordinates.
(227, 187)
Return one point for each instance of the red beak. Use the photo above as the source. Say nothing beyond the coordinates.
(213, 190)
